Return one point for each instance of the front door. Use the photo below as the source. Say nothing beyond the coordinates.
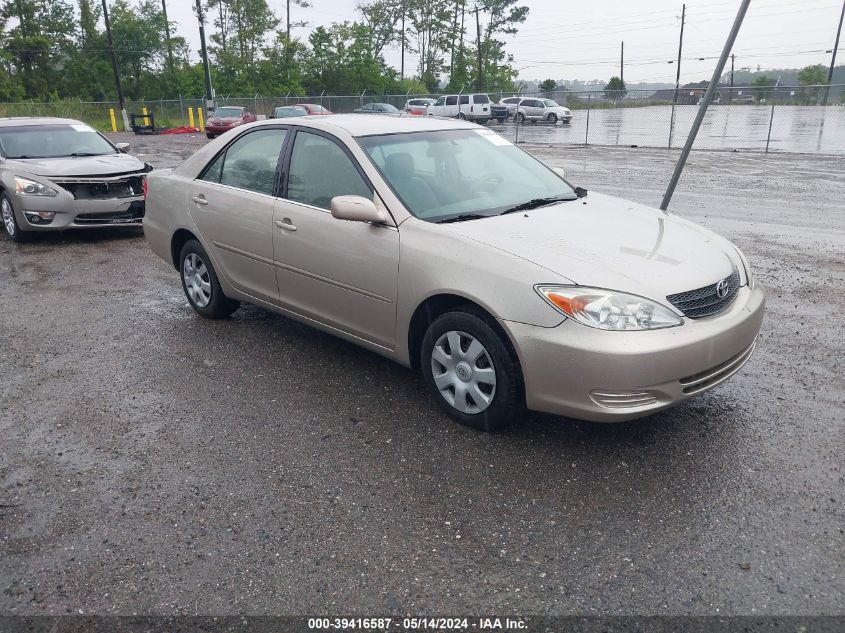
(232, 205)
(343, 274)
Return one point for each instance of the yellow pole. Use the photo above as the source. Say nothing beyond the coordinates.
(113, 122)
(190, 117)
(199, 116)
(146, 119)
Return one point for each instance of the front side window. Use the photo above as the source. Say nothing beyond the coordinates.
(321, 170)
(453, 100)
(440, 101)
(250, 162)
(443, 174)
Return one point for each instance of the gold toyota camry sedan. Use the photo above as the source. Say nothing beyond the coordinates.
(442, 246)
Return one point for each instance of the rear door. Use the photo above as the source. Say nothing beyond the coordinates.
(232, 205)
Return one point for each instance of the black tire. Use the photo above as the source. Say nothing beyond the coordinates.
(482, 121)
(520, 118)
(552, 118)
(209, 135)
(508, 400)
(500, 119)
(219, 306)
(462, 116)
(14, 230)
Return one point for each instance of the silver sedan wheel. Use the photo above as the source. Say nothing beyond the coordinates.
(197, 280)
(463, 372)
(8, 217)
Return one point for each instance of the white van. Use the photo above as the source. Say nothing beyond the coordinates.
(473, 107)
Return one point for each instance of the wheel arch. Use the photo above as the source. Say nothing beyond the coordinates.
(180, 237)
(434, 306)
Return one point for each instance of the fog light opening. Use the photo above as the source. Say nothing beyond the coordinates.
(39, 217)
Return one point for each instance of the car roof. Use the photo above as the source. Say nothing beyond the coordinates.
(36, 120)
(357, 125)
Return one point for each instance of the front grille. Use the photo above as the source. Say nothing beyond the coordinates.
(106, 189)
(705, 301)
(133, 215)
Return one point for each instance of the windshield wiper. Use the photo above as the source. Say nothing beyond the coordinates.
(75, 154)
(462, 217)
(537, 202)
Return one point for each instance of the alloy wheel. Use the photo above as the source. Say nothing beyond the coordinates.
(8, 217)
(463, 372)
(197, 280)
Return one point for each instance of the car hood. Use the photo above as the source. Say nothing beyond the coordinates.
(607, 242)
(84, 166)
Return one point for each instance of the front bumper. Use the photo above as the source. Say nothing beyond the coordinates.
(74, 213)
(219, 129)
(589, 374)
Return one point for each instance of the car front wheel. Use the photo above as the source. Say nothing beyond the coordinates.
(200, 283)
(552, 118)
(520, 118)
(209, 135)
(10, 222)
(472, 372)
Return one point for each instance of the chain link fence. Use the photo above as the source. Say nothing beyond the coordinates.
(758, 118)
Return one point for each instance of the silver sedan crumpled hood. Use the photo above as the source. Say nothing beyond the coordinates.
(610, 243)
(78, 166)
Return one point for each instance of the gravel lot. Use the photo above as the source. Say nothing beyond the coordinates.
(155, 463)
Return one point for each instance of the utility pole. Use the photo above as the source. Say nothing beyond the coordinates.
(209, 93)
(287, 18)
(114, 68)
(702, 109)
(731, 93)
(478, 45)
(452, 56)
(680, 48)
(402, 71)
(622, 64)
(167, 34)
(833, 56)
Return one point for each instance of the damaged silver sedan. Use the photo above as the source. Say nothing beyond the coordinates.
(58, 174)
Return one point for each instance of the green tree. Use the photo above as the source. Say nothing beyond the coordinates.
(548, 85)
(430, 28)
(762, 86)
(814, 76)
(615, 88)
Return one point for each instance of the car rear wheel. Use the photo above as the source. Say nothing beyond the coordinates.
(10, 222)
(472, 372)
(200, 283)
(552, 118)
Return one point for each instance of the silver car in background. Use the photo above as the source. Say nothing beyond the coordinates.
(62, 174)
(536, 109)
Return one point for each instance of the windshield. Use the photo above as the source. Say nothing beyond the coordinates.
(53, 141)
(447, 173)
(228, 113)
(551, 104)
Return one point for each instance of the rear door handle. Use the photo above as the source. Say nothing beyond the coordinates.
(285, 224)
(200, 199)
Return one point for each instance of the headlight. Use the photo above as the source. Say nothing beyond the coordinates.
(749, 278)
(31, 188)
(608, 309)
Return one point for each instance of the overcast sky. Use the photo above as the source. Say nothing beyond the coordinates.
(563, 39)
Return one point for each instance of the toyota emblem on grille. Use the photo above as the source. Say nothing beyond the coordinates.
(722, 289)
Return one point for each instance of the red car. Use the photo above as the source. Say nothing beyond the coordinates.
(224, 119)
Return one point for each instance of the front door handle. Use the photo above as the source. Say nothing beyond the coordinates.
(285, 224)
(200, 199)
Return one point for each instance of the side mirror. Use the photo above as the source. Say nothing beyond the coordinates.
(559, 171)
(122, 147)
(356, 209)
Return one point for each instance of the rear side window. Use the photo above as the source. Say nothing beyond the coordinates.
(480, 99)
(250, 162)
(464, 99)
(453, 100)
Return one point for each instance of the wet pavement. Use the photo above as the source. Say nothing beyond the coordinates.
(153, 462)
